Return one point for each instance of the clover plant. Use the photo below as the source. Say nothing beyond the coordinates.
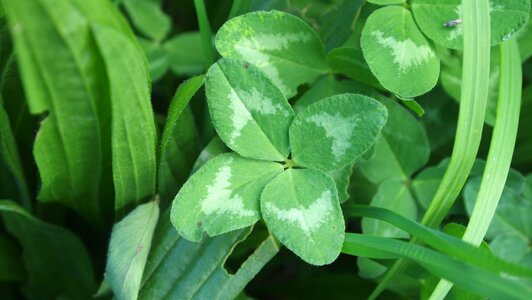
(278, 170)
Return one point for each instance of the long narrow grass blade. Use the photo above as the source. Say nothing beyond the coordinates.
(474, 95)
(444, 243)
(467, 276)
(500, 154)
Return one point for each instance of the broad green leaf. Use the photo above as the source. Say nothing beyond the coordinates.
(512, 214)
(326, 87)
(222, 196)
(336, 24)
(342, 178)
(350, 62)
(179, 142)
(128, 250)
(401, 149)
(23, 124)
(334, 132)
(510, 247)
(386, 2)
(507, 18)
(395, 196)
(185, 54)
(148, 18)
(302, 210)
(57, 263)
(133, 126)
(180, 269)
(398, 54)
(249, 112)
(280, 44)
(157, 58)
(11, 266)
(12, 182)
(63, 78)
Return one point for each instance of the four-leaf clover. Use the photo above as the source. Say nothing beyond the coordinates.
(278, 170)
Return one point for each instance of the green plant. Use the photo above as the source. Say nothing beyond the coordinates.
(163, 149)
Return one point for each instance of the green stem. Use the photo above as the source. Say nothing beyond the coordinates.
(205, 31)
(474, 95)
(235, 9)
(500, 154)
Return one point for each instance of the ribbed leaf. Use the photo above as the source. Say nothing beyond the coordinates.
(63, 77)
(180, 269)
(133, 127)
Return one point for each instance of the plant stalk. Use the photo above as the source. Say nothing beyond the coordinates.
(205, 31)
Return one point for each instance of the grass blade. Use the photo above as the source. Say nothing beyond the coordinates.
(447, 244)
(500, 154)
(205, 31)
(179, 142)
(470, 277)
(474, 95)
(133, 131)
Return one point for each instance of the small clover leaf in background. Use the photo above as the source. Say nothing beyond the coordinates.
(301, 209)
(393, 195)
(148, 18)
(398, 54)
(332, 133)
(286, 48)
(507, 18)
(249, 112)
(222, 196)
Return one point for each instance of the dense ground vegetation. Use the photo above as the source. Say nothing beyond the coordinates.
(265, 149)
